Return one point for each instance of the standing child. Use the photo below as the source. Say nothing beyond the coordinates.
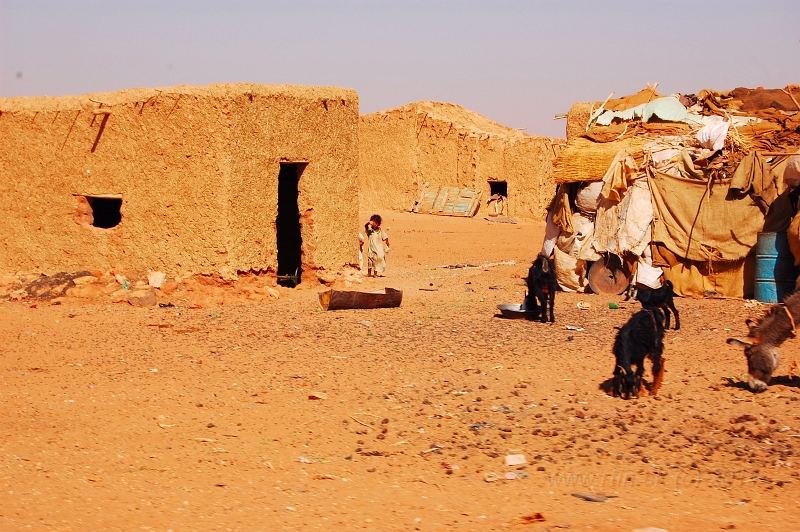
(376, 259)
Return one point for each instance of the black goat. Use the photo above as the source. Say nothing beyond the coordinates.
(542, 287)
(661, 298)
(642, 337)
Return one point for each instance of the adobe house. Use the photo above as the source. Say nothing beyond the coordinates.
(220, 179)
(444, 144)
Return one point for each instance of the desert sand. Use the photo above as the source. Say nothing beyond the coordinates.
(276, 415)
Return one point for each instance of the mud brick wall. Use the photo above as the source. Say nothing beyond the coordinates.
(445, 144)
(197, 170)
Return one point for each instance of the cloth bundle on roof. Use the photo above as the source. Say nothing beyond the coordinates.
(668, 109)
(712, 135)
(644, 96)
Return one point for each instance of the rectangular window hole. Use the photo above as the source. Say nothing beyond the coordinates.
(105, 210)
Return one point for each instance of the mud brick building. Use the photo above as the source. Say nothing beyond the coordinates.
(215, 180)
(444, 144)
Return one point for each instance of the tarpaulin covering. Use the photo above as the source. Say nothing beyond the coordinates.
(625, 212)
(703, 279)
(755, 176)
(625, 226)
(698, 223)
(710, 190)
(766, 183)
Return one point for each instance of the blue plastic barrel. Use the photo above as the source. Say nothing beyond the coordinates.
(776, 273)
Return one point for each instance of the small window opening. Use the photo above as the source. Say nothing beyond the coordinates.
(105, 211)
(498, 187)
(287, 225)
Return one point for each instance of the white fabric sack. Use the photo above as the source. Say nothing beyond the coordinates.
(712, 136)
(646, 273)
(570, 272)
(588, 197)
(791, 176)
(572, 243)
(648, 276)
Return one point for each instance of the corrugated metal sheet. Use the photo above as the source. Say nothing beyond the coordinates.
(446, 201)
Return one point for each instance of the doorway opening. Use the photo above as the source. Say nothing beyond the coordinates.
(105, 211)
(498, 187)
(498, 197)
(287, 225)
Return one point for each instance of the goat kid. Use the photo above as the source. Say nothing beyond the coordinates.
(662, 298)
(763, 339)
(541, 287)
(640, 338)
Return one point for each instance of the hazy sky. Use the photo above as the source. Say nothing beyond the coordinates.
(516, 62)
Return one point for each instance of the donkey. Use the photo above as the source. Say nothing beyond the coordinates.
(764, 338)
(542, 286)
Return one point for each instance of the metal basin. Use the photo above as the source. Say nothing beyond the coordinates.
(512, 311)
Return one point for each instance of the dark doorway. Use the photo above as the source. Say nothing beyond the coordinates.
(287, 225)
(498, 187)
(105, 211)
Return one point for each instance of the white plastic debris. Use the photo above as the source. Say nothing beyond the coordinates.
(515, 460)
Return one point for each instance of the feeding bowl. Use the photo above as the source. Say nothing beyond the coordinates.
(512, 311)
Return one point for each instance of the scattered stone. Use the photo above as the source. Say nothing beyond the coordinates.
(119, 296)
(142, 298)
(169, 287)
(592, 497)
(156, 279)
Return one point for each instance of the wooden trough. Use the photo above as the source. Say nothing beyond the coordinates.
(342, 300)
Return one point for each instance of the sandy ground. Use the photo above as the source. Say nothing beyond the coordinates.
(114, 417)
